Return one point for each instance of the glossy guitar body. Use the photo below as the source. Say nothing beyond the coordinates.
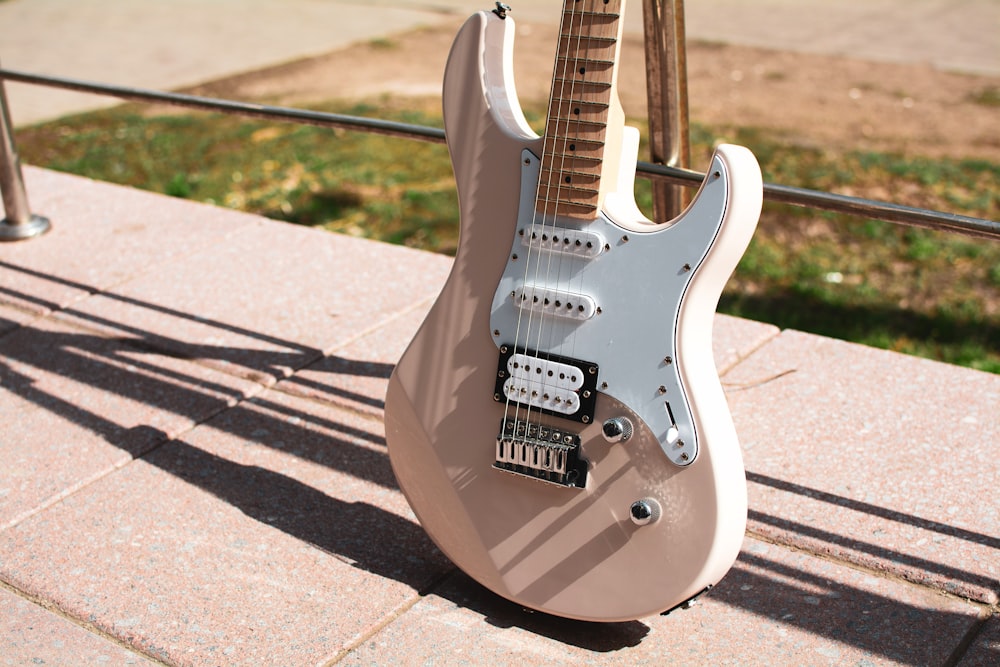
(640, 302)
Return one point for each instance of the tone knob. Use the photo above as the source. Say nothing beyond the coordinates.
(644, 512)
(617, 429)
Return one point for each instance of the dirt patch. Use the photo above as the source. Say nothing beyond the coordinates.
(821, 101)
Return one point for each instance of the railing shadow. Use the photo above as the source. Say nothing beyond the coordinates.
(368, 536)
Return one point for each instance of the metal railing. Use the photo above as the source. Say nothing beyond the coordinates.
(664, 35)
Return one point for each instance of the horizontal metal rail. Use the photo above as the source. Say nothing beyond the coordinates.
(855, 206)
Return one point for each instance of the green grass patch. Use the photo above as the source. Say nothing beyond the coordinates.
(931, 294)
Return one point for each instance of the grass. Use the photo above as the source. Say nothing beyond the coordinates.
(930, 294)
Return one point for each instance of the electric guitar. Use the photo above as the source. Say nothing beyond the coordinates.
(557, 424)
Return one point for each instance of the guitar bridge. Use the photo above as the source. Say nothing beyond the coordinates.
(541, 453)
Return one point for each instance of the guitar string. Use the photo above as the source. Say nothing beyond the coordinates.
(578, 107)
(580, 103)
(532, 257)
(571, 64)
(560, 130)
(544, 185)
(580, 21)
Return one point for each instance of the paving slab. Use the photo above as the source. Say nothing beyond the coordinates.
(775, 607)
(874, 457)
(75, 406)
(102, 235)
(31, 635)
(985, 650)
(273, 534)
(271, 299)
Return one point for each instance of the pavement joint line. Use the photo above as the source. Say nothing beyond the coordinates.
(426, 302)
(61, 496)
(328, 404)
(983, 607)
(361, 639)
(49, 607)
(743, 357)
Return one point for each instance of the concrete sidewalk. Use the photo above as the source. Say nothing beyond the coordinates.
(166, 45)
(194, 470)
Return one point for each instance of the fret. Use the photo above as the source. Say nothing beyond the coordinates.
(576, 176)
(582, 103)
(563, 201)
(578, 146)
(571, 193)
(577, 124)
(574, 157)
(567, 209)
(573, 139)
(570, 96)
(586, 61)
(582, 82)
(589, 13)
(603, 50)
(584, 185)
(591, 40)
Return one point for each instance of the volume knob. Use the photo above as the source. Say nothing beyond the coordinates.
(644, 512)
(617, 429)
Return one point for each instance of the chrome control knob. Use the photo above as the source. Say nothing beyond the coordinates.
(644, 512)
(617, 429)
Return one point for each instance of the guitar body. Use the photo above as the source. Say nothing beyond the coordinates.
(619, 492)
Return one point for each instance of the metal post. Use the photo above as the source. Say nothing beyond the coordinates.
(666, 93)
(19, 223)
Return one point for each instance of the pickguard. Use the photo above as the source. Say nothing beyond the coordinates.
(634, 287)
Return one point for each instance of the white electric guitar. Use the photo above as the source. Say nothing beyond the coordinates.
(558, 424)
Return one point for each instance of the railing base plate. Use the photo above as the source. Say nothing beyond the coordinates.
(36, 226)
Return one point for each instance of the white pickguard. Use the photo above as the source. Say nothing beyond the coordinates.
(638, 284)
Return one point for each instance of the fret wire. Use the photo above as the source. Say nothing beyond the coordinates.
(570, 172)
(584, 123)
(583, 82)
(575, 156)
(573, 195)
(592, 14)
(594, 39)
(588, 61)
(592, 107)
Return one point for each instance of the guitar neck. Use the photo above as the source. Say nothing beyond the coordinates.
(582, 87)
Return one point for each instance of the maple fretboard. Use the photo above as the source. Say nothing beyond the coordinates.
(573, 153)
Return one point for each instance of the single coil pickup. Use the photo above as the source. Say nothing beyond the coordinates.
(544, 371)
(555, 302)
(541, 453)
(553, 384)
(577, 242)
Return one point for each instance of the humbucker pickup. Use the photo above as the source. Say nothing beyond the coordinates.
(540, 452)
(552, 384)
